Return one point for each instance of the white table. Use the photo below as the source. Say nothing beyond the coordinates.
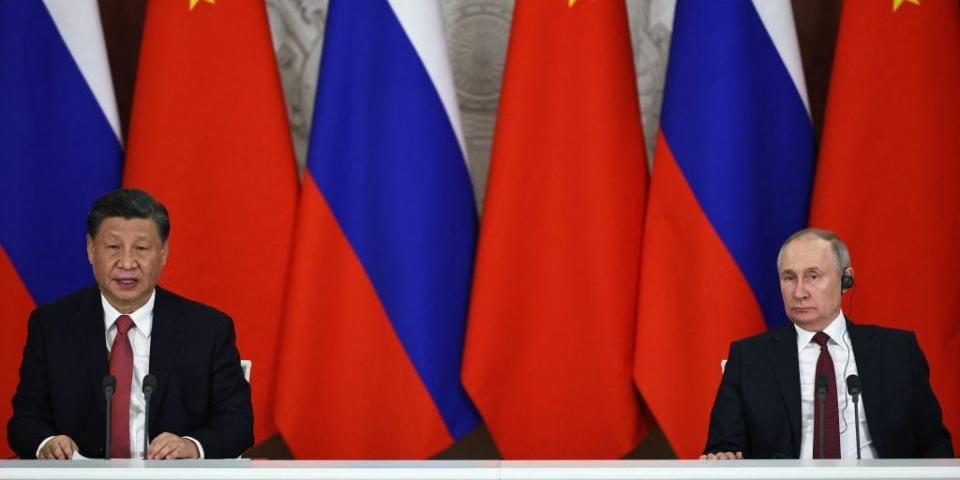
(480, 470)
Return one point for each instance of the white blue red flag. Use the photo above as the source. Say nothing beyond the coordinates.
(59, 150)
(732, 176)
(383, 255)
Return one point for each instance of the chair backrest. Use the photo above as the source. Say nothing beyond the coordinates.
(246, 365)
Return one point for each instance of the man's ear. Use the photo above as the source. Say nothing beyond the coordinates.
(90, 249)
(163, 252)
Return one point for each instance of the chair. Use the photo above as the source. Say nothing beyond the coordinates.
(246, 365)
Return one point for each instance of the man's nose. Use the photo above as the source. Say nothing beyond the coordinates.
(800, 290)
(127, 260)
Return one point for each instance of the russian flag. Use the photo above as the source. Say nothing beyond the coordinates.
(383, 255)
(731, 180)
(59, 150)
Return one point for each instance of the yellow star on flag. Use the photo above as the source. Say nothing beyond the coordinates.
(193, 3)
(898, 3)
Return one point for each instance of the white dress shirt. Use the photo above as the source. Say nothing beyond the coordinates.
(139, 336)
(844, 365)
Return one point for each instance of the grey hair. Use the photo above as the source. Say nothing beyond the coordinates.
(841, 254)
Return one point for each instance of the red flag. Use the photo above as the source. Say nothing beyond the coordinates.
(209, 138)
(550, 334)
(888, 180)
(14, 309)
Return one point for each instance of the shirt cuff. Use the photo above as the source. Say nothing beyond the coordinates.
(44, 442)
(195, 442)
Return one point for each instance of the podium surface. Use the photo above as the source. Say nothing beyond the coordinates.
(480, 470)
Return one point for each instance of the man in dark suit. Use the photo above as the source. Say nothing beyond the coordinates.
(127, 326)
(765, 405)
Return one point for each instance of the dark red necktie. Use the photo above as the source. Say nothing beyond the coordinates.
(831, 416)
(121, 367)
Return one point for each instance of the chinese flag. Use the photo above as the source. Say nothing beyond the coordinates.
(888, 180)
(550, 333)
(209, 138)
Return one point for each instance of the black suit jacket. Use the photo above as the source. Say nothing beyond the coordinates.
(200, 393)
(757, 409)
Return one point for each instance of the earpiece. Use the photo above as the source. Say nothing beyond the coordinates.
(846, 280)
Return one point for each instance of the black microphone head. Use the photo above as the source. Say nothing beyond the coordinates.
(109, 384)
(853, 384)
(820, 385)
(149, 384)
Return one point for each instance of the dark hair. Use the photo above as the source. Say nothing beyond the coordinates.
(128, 203)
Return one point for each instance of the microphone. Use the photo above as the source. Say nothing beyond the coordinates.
(821, 388)
(853, 388)
(109, 386)
(149, 386)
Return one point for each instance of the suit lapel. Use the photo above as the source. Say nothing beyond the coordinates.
(92, 334)
(92, 356)
(786, 365)
(165, 341)
(866, 351)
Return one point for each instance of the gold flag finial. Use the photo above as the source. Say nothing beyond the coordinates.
(898, 3)
(193, 3)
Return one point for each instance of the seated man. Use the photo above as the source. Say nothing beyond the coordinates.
(765, 405)
(128, 327)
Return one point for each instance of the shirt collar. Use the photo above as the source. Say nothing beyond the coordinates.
(142, 317)
(836, 330)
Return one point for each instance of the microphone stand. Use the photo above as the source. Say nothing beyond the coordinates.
(146, 423)
(109, 385)
(821, 382)
(106, 445)
(854, 389)
(149, 385)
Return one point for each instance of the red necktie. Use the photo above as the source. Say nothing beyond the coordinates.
(121, 367)
(831, 416)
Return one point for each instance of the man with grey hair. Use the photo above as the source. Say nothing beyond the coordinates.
(765, 406)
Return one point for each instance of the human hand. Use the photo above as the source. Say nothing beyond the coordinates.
(60, 447)
(722, 456)
(167, 446)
